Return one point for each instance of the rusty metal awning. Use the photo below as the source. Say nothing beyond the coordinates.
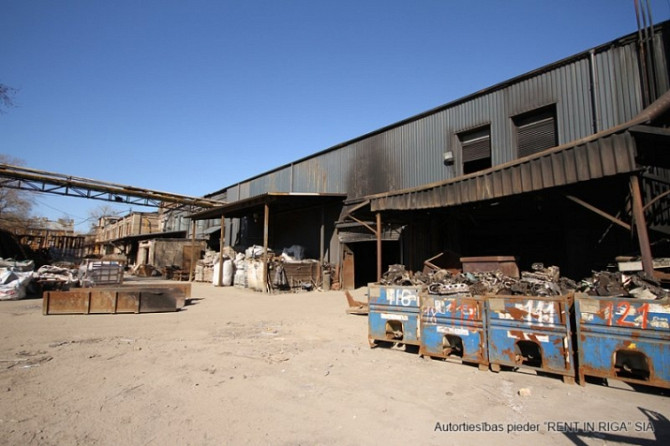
(278, 202)
(603, 157)
(611, 152)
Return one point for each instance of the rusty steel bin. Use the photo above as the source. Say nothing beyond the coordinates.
(393, 314)
(453, 326)
(532, 332)
(623, 338)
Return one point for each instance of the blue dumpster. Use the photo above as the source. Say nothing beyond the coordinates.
(532, 332)
(624, 339)
(452, 326)
(393, 314)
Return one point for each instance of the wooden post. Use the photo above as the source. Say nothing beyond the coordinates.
(191, 268)
(221, 244)
(641, 227)
(379, 247)
(266, 223)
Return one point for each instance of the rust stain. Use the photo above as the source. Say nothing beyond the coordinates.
(517, 313)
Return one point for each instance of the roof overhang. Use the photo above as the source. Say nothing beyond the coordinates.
(603, 157)
(623, 149)
(148, 236)
(277, 201)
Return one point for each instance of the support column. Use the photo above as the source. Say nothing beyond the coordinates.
(190, 272)
(266, 224)
(379, 247)
(221, 245)
(641, 226)
(322, 236)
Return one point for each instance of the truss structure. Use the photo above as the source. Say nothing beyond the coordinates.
(17, 177)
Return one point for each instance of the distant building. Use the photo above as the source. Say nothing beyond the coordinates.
(114, 235)
(56, 239)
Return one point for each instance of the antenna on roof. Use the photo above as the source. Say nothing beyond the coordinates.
(646, 51)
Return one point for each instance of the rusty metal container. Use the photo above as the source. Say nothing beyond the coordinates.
(112, 300)
(531, 332)
(624, 339)
(505, 264)
(453, 327)
(393, 314)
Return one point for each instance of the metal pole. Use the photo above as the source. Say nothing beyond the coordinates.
(322, 236)
(221, 244)
(379, 247)
(266, 223)
(641, 227)
(190, 273)
(322, 270)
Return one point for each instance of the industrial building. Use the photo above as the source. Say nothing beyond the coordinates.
(564, 165)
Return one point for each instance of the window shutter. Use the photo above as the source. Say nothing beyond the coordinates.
(536, 131)
(476, 149)
(536, 136)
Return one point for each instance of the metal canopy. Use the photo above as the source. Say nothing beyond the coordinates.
(562, 166)
(277, 201)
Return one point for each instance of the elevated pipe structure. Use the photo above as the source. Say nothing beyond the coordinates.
(17, 177)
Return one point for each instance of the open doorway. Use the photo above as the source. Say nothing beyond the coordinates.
(359, 266)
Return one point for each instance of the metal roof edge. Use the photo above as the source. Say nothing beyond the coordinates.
(623, 40)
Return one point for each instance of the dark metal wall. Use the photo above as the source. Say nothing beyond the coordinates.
(542, 227)
(592, 91)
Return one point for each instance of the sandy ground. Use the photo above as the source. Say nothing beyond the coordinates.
(239, 367)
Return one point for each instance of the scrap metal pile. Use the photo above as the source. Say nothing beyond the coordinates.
(18, 279)
(541, 281)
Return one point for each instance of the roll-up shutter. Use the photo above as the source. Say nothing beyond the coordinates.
(476, 149)
(536, 132)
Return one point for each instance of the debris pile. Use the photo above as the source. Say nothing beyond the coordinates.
(204, 268)
(13, 284)
(289, 270)
(51, 277)
(620, 284)
(541, 281)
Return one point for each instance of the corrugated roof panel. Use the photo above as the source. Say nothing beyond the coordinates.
(594, 162)
(552, 168)
(582, 159)
(546, 172)
(607, 158)
(558, 170)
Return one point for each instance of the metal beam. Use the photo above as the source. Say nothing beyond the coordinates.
(17, 177)
(599, 212)
(641, 227)
(379, 247)
(266, 236)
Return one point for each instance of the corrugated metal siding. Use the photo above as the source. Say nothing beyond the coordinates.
(663, 82)
(619, 97)
(411, 154)
(276, 181)
(603, 157)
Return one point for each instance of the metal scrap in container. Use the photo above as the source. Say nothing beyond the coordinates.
(541, 281)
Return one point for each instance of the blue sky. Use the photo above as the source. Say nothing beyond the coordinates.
(192, 96)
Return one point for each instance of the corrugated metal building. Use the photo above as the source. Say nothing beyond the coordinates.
(486, 174)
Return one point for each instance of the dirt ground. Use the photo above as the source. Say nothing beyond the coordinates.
(240, 367)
